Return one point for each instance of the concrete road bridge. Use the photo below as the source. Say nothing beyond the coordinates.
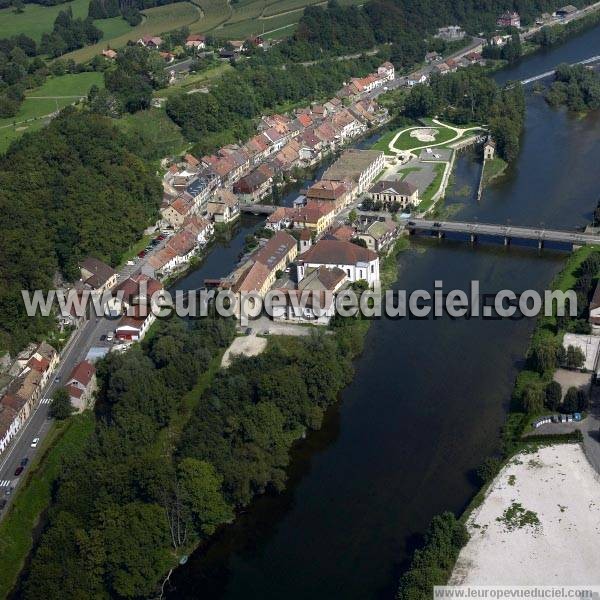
(587, 61)
(506, 232)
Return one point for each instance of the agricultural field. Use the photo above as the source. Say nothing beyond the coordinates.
(37, 19)
(156, 21)
(272, 18)
(56, 93)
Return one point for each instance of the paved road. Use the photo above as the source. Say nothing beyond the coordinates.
(510, 231)
(39, 424)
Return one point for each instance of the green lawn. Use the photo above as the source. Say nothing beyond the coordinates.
(36, 108)
(434, 186)
(407, 142)
(37, 19)
(493, 168)
(33, 496)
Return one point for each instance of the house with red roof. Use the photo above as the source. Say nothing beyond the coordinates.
(196, 41)
(81, 385)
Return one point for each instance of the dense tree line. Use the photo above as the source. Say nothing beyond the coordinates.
(577, 88)
(67, 191)
(69, 33)
(470, 96)
(433, 563)
(142, 493)
(534, 390)
(404, 23)
(225, 113)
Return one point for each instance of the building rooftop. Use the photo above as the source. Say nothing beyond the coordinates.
(351, 164)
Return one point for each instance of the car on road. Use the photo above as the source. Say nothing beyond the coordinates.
(18, 471)
(248, 331)
(3, 504)
(103, 337)
(131, 263)
(110, 336)
(437, 224)
(57, 379)
(142, 254)
(161, 237)
(35, 442)
(411, 222)
(9, 491)
(24, 462)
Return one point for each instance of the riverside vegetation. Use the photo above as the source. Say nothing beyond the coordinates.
(533, 393)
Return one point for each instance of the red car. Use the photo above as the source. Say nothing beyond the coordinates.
(161, 237)
(18, 471)
(142, 254)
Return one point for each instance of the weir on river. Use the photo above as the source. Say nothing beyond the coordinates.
(429, 397)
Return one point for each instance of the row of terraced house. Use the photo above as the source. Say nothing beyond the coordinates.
(213, 186)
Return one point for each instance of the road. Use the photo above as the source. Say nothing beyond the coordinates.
(574, 17)
(38, 425)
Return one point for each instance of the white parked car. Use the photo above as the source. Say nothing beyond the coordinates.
(110, 336)
(35, 442)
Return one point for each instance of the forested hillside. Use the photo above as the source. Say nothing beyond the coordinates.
(69, 190)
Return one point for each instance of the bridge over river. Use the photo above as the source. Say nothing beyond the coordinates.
(587, 61)
(506, 232)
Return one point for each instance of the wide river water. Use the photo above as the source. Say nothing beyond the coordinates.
(428, 398)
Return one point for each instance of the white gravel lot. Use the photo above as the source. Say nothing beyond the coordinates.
(560, 487)
(249, 345)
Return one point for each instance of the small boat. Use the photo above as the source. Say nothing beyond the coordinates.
(183, 559)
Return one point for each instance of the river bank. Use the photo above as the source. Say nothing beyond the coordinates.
(428, 400)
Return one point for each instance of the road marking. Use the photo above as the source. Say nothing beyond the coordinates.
(46, 401)
(5, 482)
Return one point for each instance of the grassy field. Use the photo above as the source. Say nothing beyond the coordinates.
(33, 496)
(195, 80)
(156, 21)
(434, 186)
(155, 131)
(407, 142)
(37, 19)
(39, 103)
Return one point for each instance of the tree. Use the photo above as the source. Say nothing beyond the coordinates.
(570, 403)
(543, 356)
(575, 358)
(61, 407)
(533, 399)
(201, 493)
(488, 469)
(352, 216)
(553, 395)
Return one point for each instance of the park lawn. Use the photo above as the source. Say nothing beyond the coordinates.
(383, 142)
(157, 20)
(434, 186)
(406, 142)
(65, 440)
(37, 19)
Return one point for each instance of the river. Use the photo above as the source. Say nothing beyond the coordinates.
(429, 397)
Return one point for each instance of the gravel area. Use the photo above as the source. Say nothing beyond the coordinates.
(551, 534)
(248, 345)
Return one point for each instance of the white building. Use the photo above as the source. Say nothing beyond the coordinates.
(357, 262)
